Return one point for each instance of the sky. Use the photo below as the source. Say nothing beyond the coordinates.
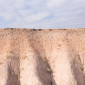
(42, 14)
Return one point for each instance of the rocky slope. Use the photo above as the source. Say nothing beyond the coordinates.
(42, 57)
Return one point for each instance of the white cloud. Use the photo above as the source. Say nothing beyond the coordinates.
(55, 3)
(31, 18)
(33, 2)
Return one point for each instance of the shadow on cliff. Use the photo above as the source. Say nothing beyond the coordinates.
(13, 79)
(13, 60)
(44, 71)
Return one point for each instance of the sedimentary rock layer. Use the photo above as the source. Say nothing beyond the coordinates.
(42, 57)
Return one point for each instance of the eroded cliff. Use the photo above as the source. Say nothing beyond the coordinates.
(42, 57)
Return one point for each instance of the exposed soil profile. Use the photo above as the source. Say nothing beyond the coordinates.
(42, 57)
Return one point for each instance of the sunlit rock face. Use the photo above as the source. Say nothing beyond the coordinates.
(42, 57)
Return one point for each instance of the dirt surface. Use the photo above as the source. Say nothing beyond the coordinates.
(42, 57)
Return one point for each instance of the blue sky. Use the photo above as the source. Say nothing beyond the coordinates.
(42, 14)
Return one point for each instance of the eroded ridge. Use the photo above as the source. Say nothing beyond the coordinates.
(42, 57)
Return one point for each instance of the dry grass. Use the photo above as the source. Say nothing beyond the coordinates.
(43, 59)
(48, 70)
(23, 57)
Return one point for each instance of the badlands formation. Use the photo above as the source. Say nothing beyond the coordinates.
(42, 57)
